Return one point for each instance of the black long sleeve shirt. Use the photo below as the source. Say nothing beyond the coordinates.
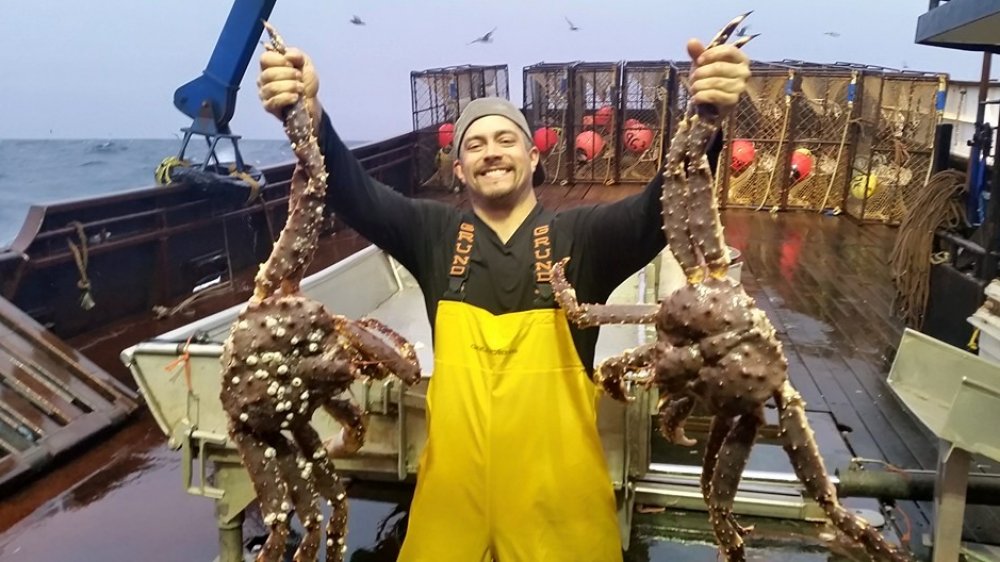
(607, 243)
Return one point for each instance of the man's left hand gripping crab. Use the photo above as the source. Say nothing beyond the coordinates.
(715, 346)
(286, 356)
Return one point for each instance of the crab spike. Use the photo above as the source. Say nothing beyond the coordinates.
(723, 35)
(739, 43)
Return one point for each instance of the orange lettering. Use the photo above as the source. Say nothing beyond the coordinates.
(540, 230)
(543, 273)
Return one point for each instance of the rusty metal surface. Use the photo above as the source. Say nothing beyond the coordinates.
(52, 398)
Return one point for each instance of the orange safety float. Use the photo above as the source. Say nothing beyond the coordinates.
(802, 164)
(446, 134)
(603, 116)
(743, 152)
(588, 145)
(638, 138)
(545, 139)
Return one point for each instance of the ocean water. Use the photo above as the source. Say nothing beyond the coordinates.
(35, 172)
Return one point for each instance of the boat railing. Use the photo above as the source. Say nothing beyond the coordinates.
(87, 264)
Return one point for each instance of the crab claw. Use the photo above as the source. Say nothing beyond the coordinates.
(723, 35)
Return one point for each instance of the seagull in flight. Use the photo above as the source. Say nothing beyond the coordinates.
(488, 38)
(831, 33)
(357, 21)
(742, 32)
(572, 27)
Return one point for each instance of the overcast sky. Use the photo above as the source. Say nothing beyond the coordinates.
(108, 69)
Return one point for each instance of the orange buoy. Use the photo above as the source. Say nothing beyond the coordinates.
(545, 139)
(446, 133)
(588, 145)
(638, 138)
(743, 152)
(802, 164)
(602, 116)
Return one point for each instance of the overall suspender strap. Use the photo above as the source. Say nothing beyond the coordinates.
(458, 271)
(541, 247)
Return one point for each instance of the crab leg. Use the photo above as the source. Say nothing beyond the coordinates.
(673, 202)
(800, 445)
(381, 358)
(272, 491)
(590, 315)
(305, 499)
(330, 487)
(403, 346)
(612, 372)
(732, 459)
(717, 431)
(353, 427)
(673, 414)
(296, 244)
(690, 211)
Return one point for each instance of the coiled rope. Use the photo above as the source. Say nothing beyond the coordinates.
(937, 206)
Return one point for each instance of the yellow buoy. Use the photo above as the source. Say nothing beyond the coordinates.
(863, 186)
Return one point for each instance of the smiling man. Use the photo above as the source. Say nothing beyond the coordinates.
(513, 469)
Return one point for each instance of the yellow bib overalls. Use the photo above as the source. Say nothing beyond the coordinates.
(513, 469)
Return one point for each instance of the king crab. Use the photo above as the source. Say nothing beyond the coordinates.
(713, 346)
(286, 356)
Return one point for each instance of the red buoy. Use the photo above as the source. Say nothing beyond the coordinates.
(446, 133)
(743, 152)
(602, 116)
(546, 139)
(638, 138)
(802, 164)
(588, 145)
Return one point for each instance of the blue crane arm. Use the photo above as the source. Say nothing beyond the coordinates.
(219, 83)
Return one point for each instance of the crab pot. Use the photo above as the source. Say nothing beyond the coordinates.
(595, 112)
(758, 148)
(438, 96)
(821, 137)
(547, 106)
(893, 159)
(648, 97)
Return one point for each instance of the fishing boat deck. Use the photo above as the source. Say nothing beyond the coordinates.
(823, 280)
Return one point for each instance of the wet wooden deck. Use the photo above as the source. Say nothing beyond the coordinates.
(824, 282)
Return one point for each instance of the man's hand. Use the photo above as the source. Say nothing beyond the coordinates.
(720, 75)
(283, 78)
